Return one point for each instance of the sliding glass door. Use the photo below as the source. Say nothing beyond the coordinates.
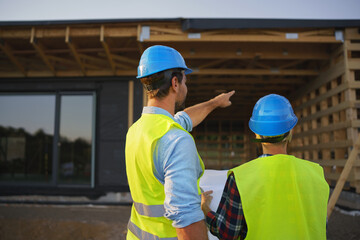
(47, 138)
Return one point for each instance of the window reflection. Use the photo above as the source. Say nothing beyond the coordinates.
(75, 145)
(26, 137)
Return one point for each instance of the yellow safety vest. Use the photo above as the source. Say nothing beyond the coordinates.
(147, 219)
(283, 198)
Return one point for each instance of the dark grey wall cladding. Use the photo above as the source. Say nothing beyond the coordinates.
(113, 125)
(113, 107)
(111, 167)
(138, 99)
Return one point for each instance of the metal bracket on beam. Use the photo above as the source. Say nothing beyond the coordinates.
(144, 33)
(339, 35)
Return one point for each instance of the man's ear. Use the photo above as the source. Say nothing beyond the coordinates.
(175, 83)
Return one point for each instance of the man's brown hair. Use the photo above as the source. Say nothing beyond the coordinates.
(158, 84)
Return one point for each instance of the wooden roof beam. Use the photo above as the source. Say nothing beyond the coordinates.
(128, 65)
(71, 73)
(96, 60)
(81, 31)
(212, 63)
(250, 55)
(107, 49)
(126, 60)
(291, 64)
(228, 36)
(73, 50)
(9, 53)
(40, 50)
(280, 72)
(247, 80)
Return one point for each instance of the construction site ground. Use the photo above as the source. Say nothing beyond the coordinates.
(43, 222)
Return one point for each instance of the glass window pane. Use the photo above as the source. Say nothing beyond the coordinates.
(75, 146)
(26, 137)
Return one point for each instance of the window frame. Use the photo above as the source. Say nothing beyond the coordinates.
(56, 138)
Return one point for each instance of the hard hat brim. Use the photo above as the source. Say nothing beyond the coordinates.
(187, 71)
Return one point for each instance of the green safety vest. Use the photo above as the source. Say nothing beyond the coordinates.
(283, 198)
(147, 219)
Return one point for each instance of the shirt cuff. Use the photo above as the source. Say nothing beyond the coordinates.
(209, 218)
(187, 219)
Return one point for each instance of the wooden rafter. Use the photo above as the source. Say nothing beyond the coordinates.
(125, 65)
(73, 50)
(93, 59)
(9, 53)
(291, 64)
(40, 50)
(247, 80)
(298, 72)
(212, 63)
(107, 49)
(61, 60)
(126, 60)
(267, 54)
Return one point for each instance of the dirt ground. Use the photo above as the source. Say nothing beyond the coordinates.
(43, 222)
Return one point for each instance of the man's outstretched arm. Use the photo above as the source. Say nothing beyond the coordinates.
(200, 111)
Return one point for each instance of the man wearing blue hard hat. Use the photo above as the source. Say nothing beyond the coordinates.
(162, 163)
(276, 196)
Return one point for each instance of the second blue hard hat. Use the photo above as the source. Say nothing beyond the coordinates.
(272, 116)
(160, 58)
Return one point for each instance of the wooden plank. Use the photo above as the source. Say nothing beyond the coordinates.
(337, 108)
(128, 60)
(329, 128)
(9, 53)
(336, 176)
(76, 31)
(304, 72)
(212, 63)
(343, 177)
(240, 38)
(107, 50)
(95, 60)
(354, 64)
(250, 54)
(61, 60)
(341, 133)
(354, 47)
(73, 50)
(325, 136)
(40, 50)
(314, 138)
(352, 34)
(335, 162)
(291, 64)
(328, 145)
(330, 93)
(71, 73)
(248, 80)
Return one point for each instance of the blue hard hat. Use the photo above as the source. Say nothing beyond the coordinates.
(272, 116)
(160, 58)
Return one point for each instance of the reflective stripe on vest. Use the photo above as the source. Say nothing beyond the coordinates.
(143, 235)
(150, 210)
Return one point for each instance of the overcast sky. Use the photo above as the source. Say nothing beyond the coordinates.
(30, 10)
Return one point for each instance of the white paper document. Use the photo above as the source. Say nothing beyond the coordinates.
(214, 180)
